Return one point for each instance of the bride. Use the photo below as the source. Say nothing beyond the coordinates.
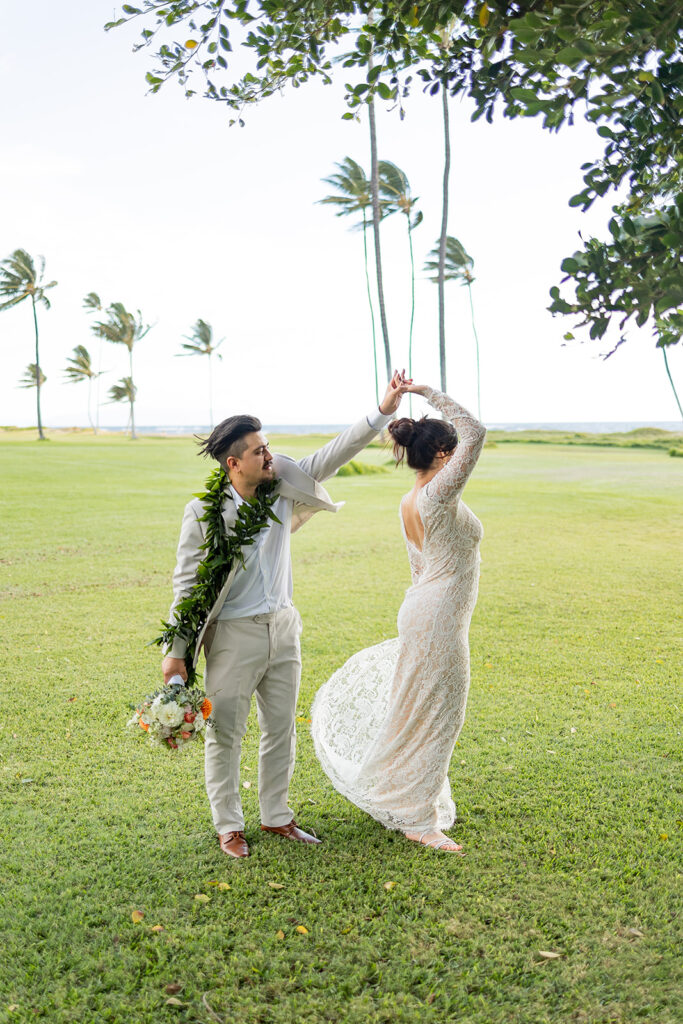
(385, 724)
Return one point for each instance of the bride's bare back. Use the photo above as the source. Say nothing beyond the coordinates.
(412, 521)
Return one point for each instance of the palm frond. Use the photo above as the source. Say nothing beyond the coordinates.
(354, 191)
(124, 391)
(81, 366)
(121, 326)
(458, 266)
(200, 342)
(393, 182)
(32, 375)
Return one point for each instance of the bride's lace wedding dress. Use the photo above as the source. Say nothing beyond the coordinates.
(385, 724)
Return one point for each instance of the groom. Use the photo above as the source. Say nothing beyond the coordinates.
(251, 636)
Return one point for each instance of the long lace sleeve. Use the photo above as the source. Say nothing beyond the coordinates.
(449, 481)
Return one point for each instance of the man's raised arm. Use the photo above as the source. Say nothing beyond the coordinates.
(327, 460)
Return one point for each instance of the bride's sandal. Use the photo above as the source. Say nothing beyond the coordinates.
(439, 842)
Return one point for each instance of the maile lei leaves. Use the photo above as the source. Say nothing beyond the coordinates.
(222, 550)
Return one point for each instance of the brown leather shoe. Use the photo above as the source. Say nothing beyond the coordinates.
(234, 844)
(292, 831)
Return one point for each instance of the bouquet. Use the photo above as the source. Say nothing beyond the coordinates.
(174, 715)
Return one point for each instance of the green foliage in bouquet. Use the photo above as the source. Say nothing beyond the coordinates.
(222, 550)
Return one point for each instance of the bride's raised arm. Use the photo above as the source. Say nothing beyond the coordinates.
(449, 481)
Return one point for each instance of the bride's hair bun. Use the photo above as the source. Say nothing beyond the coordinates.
(403, 431)
(421, 440)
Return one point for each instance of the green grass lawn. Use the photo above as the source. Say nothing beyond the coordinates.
(565, 774)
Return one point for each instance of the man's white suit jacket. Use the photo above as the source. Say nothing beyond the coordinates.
(300, 482)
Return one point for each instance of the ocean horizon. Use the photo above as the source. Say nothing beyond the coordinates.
(586, 427)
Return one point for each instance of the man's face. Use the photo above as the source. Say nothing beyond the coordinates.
(255, 464)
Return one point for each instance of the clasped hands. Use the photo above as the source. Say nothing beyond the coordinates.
(398, 386)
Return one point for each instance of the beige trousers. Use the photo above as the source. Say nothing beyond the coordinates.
(262, 655)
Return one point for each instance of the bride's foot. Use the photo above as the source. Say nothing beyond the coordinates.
(436, 840)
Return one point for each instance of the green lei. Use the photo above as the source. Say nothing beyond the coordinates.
(222, 550)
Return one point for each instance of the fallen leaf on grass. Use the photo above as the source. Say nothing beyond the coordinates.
(276, 885)
(171, 989)
(201, 897)
(548, 954)
(279, 934)
(157, 928)
(663, 835)
(223, 885)
(302, 929)
(389, 885)
(246, 785)
(175, 1002)
(136, 916)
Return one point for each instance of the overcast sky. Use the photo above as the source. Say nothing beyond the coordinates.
(154, 201)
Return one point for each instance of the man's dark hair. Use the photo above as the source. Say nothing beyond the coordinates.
(228, 438)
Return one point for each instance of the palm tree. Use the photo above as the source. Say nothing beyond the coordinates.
(81, 369)
(354, 195)
(444, 44)
(377, 216)
(33, 378)
(125, 391)
(200, 343)
(457, 266)
(20, 280)
(441, 279)
(394, 188)
(93, 303)
(121, 328)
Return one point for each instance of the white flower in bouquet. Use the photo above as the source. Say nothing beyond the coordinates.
(169, 713)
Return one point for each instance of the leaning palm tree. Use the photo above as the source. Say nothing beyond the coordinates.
(80, 369)
(457, 266)
(19, 280)
(33, 377)
(125, 391)
(394, 189)
(354, 195)
(200, 343)
(121, 328)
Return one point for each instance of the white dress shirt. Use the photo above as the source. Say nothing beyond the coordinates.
(265, 584)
